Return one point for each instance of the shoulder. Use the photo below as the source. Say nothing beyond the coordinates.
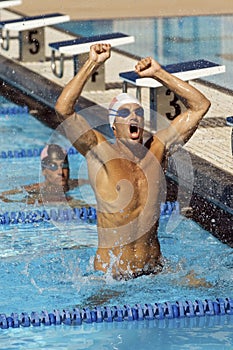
(102, 151)
(77, 182)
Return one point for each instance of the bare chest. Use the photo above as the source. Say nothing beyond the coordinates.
(121, 182)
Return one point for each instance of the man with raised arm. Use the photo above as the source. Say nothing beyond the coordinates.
(127, 176)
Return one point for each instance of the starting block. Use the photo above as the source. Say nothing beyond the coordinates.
(77, 49)
(30, 34)
(163, 100)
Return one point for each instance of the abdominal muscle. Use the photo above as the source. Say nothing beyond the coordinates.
(128, 214)
(125, 261)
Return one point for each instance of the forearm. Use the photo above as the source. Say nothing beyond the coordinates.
(71, 92)
(4, 196)
(184, 125)
(193, 98)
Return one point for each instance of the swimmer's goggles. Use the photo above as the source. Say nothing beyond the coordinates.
(125, 112)
(53, 166)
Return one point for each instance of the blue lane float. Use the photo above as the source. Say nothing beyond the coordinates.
(13, 110)
(28, 153)
(71, 214)
(100, 314)
(61, 215)
(21, 153)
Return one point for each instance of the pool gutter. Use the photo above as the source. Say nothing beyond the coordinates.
(210, 195)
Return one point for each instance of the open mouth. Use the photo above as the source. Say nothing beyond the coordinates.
(134, 131)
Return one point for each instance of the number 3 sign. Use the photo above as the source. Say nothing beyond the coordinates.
(168, 104)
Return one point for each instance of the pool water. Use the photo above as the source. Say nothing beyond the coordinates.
(172, 40)
(49, 265)
(54, 265)
(19, 129)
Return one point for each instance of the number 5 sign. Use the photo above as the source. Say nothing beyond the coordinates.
(32, 45)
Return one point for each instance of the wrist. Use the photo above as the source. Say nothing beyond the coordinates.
(92, 65)
(159, 72)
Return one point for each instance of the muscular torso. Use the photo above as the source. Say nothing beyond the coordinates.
(128, 192)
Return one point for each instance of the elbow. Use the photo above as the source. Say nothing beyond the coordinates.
(61, 110)
(202, 107)
(205, 106)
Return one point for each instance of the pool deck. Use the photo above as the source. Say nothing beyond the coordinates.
(98, 9)
(211, 143)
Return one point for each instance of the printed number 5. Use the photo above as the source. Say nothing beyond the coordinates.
(33, 41)
(174, 104)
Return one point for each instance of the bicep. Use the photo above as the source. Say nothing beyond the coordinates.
(80, 133)
(184, 126)
(180, 129)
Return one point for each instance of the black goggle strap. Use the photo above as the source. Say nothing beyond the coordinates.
(113, 110)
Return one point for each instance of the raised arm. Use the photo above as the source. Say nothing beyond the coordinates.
(98, 54)
(185, 124)
(75, 126)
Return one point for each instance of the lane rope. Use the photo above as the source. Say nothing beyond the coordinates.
(86, 214)
(99, 314)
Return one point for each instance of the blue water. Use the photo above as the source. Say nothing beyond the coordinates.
(46, 266)
(20, 131)
(50, 266)
(172, 40)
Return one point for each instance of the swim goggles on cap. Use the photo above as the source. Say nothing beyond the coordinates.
(125, 112)
(54, 166)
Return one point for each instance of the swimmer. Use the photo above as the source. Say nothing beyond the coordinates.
(56, 171)
(127, 176)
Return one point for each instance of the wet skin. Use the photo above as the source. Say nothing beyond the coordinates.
(127, 201)
(127, 177)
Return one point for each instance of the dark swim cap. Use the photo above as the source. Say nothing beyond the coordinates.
(53, 152)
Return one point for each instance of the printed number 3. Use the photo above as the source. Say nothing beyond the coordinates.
(33, 41)
(174, 104)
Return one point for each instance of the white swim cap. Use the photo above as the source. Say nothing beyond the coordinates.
(117, 102)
